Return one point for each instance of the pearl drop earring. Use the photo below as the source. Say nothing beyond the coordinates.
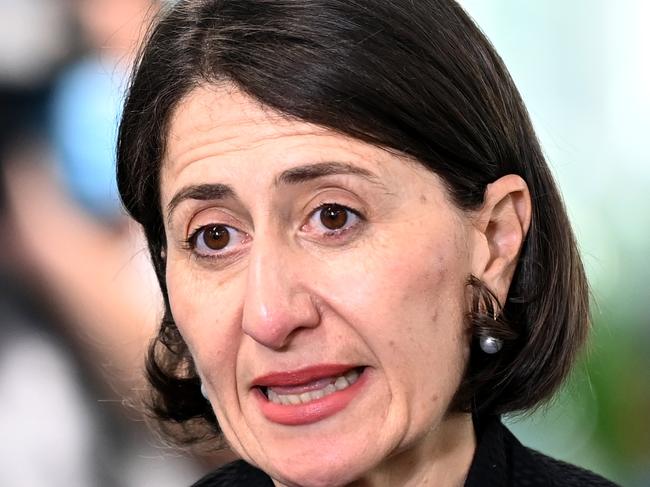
(490, 345)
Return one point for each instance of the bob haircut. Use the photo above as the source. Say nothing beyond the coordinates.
(415, 78)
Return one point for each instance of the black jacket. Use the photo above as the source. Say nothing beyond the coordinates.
(500, 461)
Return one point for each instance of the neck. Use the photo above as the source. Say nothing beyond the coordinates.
(442, 458)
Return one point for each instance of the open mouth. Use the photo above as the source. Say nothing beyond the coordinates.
(310, 394)
(311, 390)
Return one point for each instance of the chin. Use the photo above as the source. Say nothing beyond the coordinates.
(329, 470)
(321, 475)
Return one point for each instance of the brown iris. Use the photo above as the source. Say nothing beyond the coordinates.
(216, 237)
(333, 217)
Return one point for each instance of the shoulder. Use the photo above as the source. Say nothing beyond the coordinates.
(501, 460)
(235, 474)
(530, 467)
(529, 464)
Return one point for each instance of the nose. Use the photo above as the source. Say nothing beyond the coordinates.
(277, 302)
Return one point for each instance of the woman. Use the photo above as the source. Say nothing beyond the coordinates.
(364, 258)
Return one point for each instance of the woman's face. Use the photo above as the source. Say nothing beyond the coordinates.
(319, 283)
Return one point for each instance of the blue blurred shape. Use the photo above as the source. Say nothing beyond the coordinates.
(86, 108)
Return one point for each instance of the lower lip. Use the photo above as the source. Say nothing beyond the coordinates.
(299, 414)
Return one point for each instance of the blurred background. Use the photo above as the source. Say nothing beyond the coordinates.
(78, 301)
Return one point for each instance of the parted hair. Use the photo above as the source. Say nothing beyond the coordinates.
(417, 78)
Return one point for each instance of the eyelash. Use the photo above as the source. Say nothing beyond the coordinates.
(191, 243)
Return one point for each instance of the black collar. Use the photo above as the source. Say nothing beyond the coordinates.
(491, 459)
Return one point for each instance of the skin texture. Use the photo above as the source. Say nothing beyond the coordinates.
(388, 292)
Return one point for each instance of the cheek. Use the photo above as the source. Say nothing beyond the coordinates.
(204, 318)
(408, 306)
(425, 285)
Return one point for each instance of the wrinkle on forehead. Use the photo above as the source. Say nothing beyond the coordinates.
(216, 120)
(220, 121)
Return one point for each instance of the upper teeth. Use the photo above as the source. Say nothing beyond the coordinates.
(341, 382)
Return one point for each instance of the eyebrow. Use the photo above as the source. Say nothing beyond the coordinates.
(201, 192)
(308, 172)
(295, 175)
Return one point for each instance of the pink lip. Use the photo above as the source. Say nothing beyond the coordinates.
(301, 376)
(317, 410)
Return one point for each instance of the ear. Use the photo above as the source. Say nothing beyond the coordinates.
(501, 225)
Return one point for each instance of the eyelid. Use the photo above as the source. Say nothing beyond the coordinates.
(210, 213)
(333, 233)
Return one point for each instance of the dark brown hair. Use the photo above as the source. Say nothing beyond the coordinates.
(417, 78)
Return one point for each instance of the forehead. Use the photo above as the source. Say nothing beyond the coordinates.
(219, 134)
(221, 120)
(218, 111)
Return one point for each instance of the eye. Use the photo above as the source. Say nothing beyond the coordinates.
(333, 219)
(215, 240)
